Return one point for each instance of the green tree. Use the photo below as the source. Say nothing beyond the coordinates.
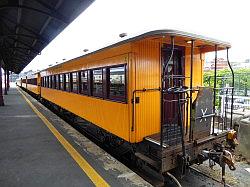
(224, 78)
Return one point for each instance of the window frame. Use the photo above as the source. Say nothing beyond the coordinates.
(57, 82)
(67, 89)
(53, 81)
(86, 91)
(41, 81)
(61, 81)
(72, 83)
(113, 97)
(92, 83)
(47, 81)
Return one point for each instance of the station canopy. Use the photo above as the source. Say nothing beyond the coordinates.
(28, 26)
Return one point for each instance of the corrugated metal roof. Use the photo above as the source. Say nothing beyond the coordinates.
(28, 26)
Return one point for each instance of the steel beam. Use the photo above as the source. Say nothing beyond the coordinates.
(19, 15)
(24, 27)
(20, 48)
(18, 59)
(54, 15)
(27, 45)
(48, 20)
(22, 35)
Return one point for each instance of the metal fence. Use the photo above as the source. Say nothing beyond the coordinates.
(241, 83)
(240, 102)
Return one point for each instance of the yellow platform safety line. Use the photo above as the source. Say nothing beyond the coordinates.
(84, 165)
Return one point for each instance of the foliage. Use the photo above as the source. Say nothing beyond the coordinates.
(224, 78)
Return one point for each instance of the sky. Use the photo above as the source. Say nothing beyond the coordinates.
(101, 24)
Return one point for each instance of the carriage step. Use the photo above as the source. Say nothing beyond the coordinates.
(155, 141)
(148, 160)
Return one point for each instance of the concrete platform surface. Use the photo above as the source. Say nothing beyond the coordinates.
(31, 155)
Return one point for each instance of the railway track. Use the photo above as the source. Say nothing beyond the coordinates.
(193, 178)
(155, 179)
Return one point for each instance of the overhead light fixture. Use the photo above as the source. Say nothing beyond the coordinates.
(189, 41)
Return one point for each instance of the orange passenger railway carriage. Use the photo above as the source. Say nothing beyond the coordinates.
(146, 91)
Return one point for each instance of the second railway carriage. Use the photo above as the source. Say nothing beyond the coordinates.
(33, 83)
(148, 91)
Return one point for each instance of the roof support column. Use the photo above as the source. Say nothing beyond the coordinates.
(5, 82)
(1, 88)
(8, 80)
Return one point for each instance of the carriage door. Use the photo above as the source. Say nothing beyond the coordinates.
(174, 77)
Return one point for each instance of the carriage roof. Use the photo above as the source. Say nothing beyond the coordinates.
(206, 44)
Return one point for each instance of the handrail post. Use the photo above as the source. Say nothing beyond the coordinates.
(215, 80)
(191, 90)
(232, 96)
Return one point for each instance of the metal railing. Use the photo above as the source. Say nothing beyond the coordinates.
(239, 102)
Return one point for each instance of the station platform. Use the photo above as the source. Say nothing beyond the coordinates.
(37, 148)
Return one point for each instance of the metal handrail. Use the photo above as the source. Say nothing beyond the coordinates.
(232, 97)
(133, 102)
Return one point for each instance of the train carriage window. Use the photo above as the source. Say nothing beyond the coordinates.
(49, 81)
(84, 82)
(74, 82)
(97, 83)
(67, 82)
(117, 83)
(41, 81)
(57, 82)
(61, 82)
(35, 81)
(45, 81)
(54, 82)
